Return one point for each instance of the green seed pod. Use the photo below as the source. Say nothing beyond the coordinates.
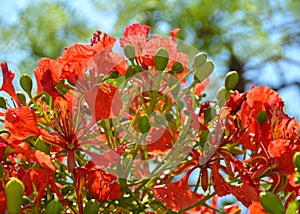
(144, 124)
(129, 52)
(231, 80)
(54, 207)
(14, 195)
(262, 117)
(202, 72)
(26, 83)
(161, 59)
(91, 207)
(271, 203)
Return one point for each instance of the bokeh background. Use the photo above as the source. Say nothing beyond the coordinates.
(259, 39)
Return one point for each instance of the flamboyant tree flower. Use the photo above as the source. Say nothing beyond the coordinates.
(136, 35)
(7, 84)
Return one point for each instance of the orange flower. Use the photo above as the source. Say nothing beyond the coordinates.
(21, 123)
(102, 185)
(176, 195)
(7, 85)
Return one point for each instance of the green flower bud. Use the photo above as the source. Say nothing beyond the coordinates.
(14, 191)
(21, 97)
(199, 60)
(202, 72)
(143, 124)
(161, 59)
(271, 203)
(54, 207)
(26, 83)
(262, 117)
(91, 207)
(296, 160)
(129, 52)
(177, 68)
(231, 80)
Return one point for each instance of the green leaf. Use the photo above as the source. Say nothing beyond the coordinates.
(271, 203)
(231, 80)
(262, 117)
(144, 124)
(161, 59)
(26, 83)
(202, 72)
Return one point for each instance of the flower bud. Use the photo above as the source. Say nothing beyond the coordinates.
(262, 117)
(54, 207)
(231, 80)
(26, 83)
(91, 207)
(14, 191)
(129, 52)
(161, 59)
(204, 179)
(21, 97)
(144, 124)
(177, 68)
(271, 203)
(199, 60)
(202, 72)
(296, 160)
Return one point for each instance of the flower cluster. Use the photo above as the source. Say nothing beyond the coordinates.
(136, 132)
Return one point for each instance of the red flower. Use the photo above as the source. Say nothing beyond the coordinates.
(246, 193)
(256, 208)
(104, 102)
(283, 152)
(7, 84)
(199, 88)
(21, 123)
(38, 178)
(102, 185)
(36, 156)
(47, 74)
(176, 195)
(160, 140)
(145, 49)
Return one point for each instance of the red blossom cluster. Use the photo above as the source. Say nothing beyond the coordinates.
(108, 134)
